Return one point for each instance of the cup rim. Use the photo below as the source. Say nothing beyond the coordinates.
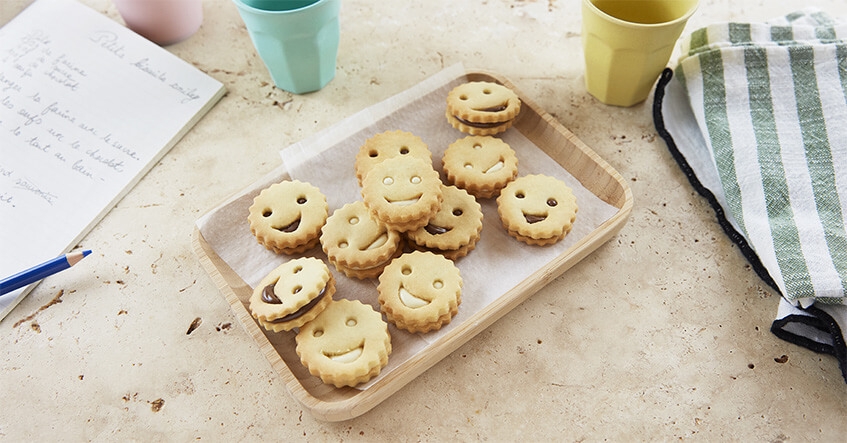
(245, 6)
(590, 4)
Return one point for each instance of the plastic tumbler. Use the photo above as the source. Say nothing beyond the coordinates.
(627, 44)
(163, 22)
(296, 39)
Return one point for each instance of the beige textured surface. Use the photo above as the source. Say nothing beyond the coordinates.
(663, 333)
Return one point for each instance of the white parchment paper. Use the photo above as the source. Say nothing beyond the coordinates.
(326, 160)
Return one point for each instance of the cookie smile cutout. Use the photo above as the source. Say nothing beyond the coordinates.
(495, 167)
(533, 218)
(288, 228)
(404, 202)
(346, 356)
(411, 300)
(378, 242)
(436, 230)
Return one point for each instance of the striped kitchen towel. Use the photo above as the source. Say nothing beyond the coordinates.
(756, 114)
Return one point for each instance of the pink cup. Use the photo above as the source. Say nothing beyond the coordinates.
(163, 22)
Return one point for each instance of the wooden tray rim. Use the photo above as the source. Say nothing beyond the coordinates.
(362, 401)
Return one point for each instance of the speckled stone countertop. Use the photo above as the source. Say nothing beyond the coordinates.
(661, 334)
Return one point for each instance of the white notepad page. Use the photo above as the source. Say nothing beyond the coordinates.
(87, 107)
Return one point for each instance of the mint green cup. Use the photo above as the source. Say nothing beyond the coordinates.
(296, 39)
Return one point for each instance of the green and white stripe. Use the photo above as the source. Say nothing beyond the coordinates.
(771, 101)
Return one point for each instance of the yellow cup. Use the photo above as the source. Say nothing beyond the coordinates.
(627, 43)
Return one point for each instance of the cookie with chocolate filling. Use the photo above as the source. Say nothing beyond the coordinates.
(454, 230)
(389, 144)
(481, 165)
(482, 108)
(537, 209)
(292, 294)
(287, 217)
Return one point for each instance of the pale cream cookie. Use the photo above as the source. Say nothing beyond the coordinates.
(481, 165)
(292, 294)
(347, 344)
(389, 144)
(402, 192)
(420, 291)
(537, 209)
(287, 217)
(357, 243)
(454, 230)
(482, 108)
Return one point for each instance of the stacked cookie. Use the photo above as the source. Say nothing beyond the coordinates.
(359, 245)
(420, 291)
(287, 217)
(537, 209)
(482, 108)
(407, 232)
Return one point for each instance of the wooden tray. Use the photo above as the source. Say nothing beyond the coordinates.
(328, 403)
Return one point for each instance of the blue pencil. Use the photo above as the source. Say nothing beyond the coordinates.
(41, 271)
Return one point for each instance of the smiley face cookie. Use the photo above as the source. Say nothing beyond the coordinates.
(347, 344)
(389, 144)
(292, 294)
(481, 165)
(402, 192)
(358, 244)
(287, 217)
(537, 209)
(454, 230)
(420, 291)
(482, 108)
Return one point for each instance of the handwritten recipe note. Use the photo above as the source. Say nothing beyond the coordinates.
(87, 107)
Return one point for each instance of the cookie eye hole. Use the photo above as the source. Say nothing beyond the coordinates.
(463, 97)
(301, 200)
(297, 269)
(468, 166)
(343, 244)
(267, 213)
(457, 212)
(317, 333)
(404, 150)
(353, 220)
(551, 202)
(351, 322)
(486, 91)
(373, 154)
(437, 284)
(415, 180)
(296, 289)
(406, 270)
(519, 194)
(387, 181)
(477, 146)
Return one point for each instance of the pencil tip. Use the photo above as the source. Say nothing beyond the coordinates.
(86, 252)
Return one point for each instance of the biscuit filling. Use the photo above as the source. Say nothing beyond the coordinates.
(435, 229)
(289, 228)
(268, 296)
(410, 300)
(345, 356)
(478, 125)
(378, 242)
(497, 108)
(530, 218)
(494, 168)
(407, 202)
